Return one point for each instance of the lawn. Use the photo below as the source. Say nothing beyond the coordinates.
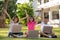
(4, 33)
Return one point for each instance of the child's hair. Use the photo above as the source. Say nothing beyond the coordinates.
(16, 17)
(47, 17)
(32, 18)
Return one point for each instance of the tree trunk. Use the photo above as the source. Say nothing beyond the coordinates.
(3, 16)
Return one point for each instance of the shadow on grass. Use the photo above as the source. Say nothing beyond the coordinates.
(3, 35)
(41, 38)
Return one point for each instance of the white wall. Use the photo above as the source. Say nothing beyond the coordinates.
(35, 5)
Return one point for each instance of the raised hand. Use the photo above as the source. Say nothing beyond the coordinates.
(4, 10)
(27, 16)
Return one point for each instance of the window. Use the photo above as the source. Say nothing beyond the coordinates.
(55, 15)
(46, 14)
(45, 1)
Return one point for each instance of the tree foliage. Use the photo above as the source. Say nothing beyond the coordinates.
(21, 10)
(11, 7)
(1, 5)
(18, 9)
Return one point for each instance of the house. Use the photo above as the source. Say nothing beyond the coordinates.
(51, 8)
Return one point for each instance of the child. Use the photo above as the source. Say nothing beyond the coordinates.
(44, 23)
(13, 22)
(31, 22)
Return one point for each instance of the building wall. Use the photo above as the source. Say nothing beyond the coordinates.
(35, 5)
(53, 12)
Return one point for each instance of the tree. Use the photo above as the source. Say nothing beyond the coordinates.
(21, 10)
(30, 0)
(3, 16)
(1, 5)
(10, 6)
(11, 9)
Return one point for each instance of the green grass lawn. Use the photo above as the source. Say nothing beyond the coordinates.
(4, 33)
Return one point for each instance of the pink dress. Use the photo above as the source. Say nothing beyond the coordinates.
(31, 25)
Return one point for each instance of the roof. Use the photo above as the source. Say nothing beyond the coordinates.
(49, 4)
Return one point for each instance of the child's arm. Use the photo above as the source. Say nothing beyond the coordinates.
(35, 18)
(27, 16)
(7, 14)
(22, 19)
(42, 15)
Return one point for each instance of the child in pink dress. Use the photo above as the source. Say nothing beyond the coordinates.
(31, 22)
